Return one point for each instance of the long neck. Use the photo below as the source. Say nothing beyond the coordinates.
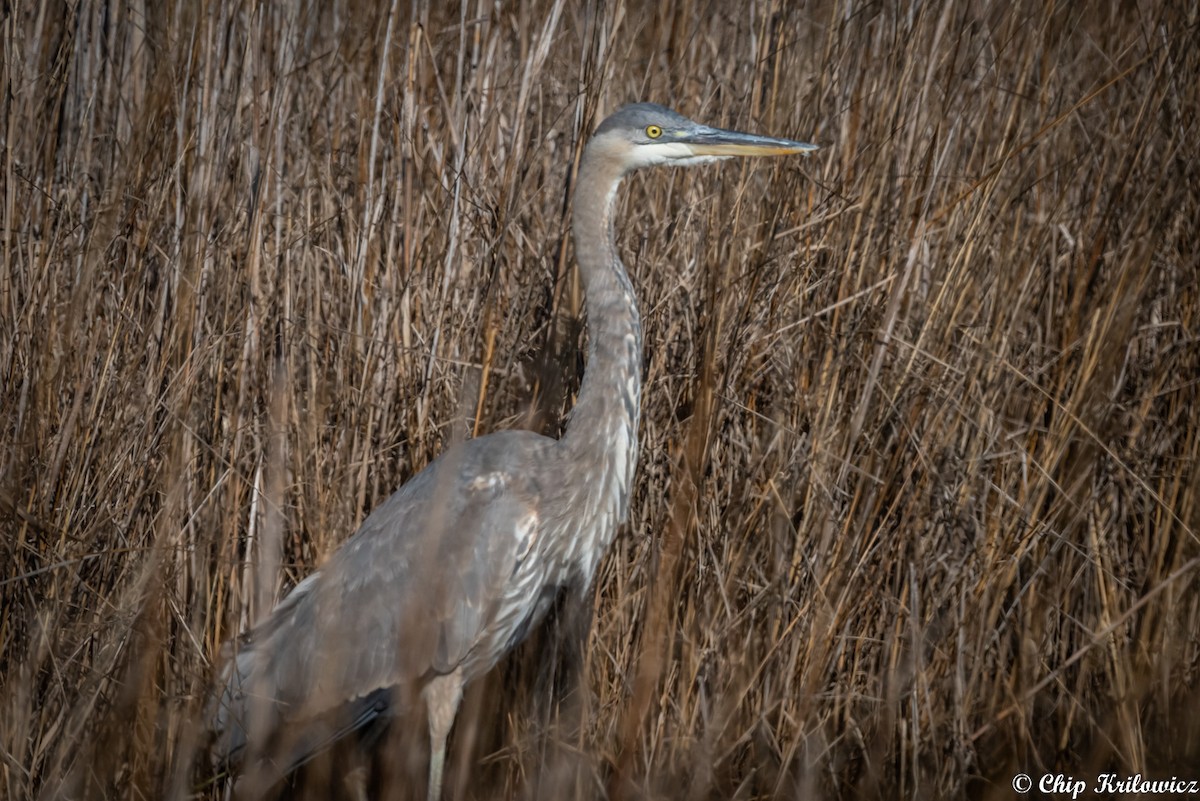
(601, 435)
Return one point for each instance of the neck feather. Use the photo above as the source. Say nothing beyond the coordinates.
(601, 434)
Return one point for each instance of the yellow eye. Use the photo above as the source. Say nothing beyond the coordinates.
(653, 131)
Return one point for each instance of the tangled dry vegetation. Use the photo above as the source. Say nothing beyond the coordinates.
(918, 500)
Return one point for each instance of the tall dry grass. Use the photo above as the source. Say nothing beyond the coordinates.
(917, 504)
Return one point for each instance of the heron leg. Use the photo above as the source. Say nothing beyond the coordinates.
(355, 780)
(256, 780)
(442, 697)
(575, 629)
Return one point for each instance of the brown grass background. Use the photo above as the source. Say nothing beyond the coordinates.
(918, 498)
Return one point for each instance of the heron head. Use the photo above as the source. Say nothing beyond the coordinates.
(646, 134)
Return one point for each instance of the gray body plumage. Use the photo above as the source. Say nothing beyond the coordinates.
(455, 568)
(323, 646)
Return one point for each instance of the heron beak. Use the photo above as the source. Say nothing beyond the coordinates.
(718, 142)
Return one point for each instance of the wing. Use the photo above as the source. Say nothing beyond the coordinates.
(417, 591)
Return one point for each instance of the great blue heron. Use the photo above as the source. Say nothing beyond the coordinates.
(454, 569)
